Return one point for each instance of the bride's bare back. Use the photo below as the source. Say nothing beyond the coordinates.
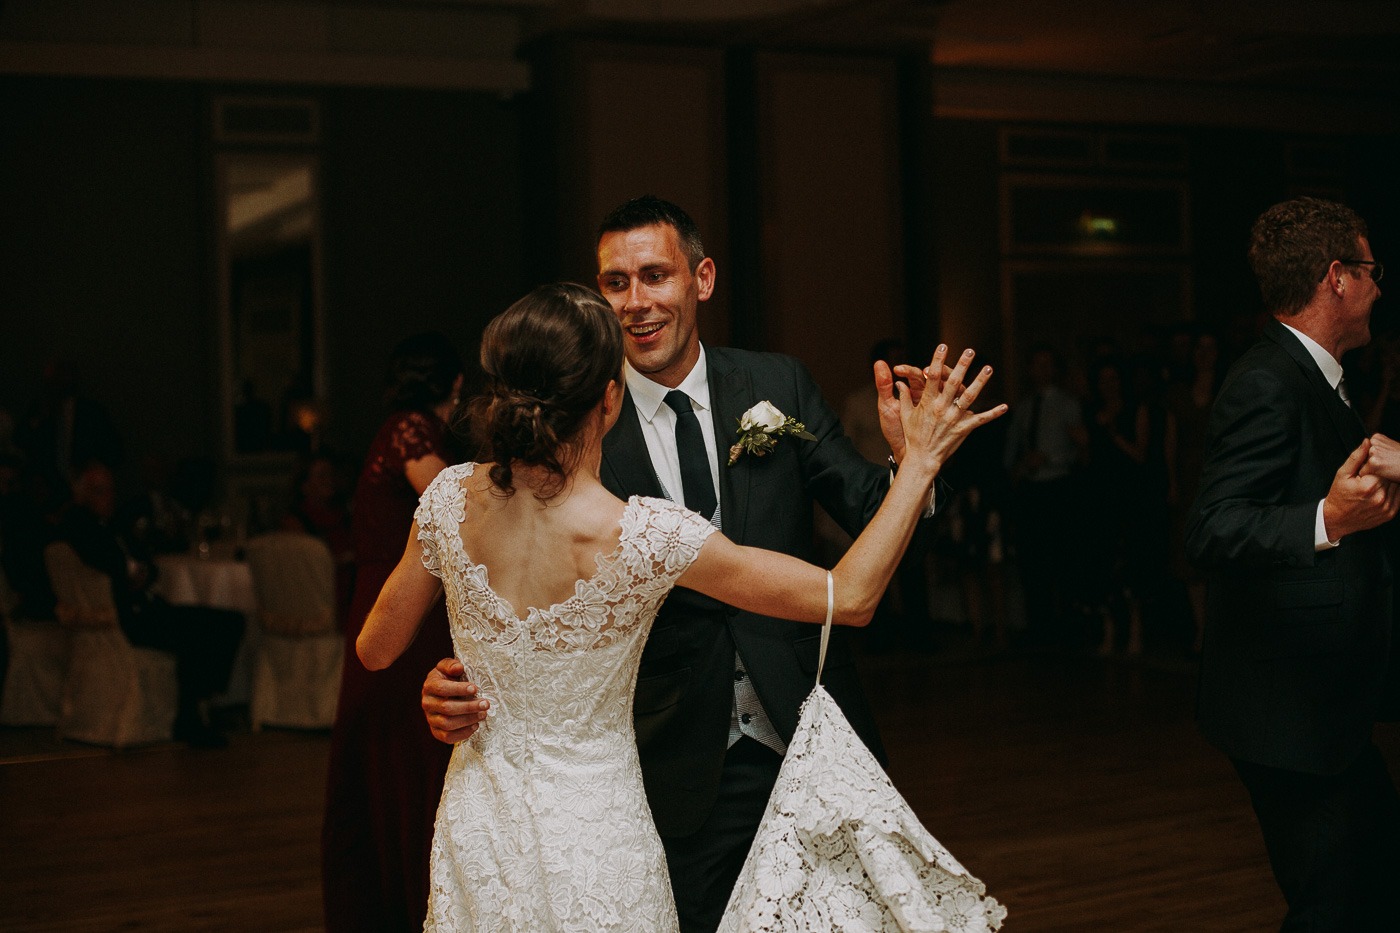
(535, 552)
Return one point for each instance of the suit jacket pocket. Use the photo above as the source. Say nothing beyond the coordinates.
(1309, 601)
(1304, 618)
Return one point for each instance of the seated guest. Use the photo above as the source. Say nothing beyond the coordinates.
(320, 508)
(203, 640)
(154, 521)
(24, 530)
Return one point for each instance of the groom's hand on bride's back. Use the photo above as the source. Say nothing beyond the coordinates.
(450, 704)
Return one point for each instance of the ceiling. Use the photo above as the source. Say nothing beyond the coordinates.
(1313, 45)
(1337, 51)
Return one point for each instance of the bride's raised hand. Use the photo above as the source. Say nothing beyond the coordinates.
(936, 426)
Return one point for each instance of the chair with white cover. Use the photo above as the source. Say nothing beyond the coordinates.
(296, 674)
(114, 693)
(34, 674)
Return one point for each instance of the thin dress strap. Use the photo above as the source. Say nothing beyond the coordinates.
(826, 626)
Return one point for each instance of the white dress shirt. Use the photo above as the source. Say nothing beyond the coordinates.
(659, 426)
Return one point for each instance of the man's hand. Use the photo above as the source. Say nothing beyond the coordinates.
(1357, 500)
(1384, 460)
(918, 380)
(450, 704)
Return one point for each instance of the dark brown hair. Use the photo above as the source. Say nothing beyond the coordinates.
(547, 360)
(1292, 245)
(422, 370)
(649, 210)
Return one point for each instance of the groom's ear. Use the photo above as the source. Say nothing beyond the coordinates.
(705, 279)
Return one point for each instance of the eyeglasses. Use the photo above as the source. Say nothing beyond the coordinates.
(1377, 270)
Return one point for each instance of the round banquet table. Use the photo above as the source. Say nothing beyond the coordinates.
(220, 583)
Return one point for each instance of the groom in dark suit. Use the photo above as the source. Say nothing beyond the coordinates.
(719, 689)
(1298, 632)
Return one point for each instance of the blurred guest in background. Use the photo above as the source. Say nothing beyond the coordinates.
(204, 641)
(1124, 548)
(24, 531)
(902, 621)
(64, 431)
(1045, 442)
(386, 770)
(1189, 400)
(319, 508)
(968, 541)
(1379, 397)
(154, 521)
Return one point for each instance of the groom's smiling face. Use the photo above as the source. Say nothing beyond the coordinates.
(645, 275)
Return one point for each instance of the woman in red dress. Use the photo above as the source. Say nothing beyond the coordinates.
(386, 770)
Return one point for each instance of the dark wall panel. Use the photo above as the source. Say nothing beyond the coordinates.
(423, 228)
(108, 258)
(104, 258)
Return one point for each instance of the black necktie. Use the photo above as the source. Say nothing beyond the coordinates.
(698, 487)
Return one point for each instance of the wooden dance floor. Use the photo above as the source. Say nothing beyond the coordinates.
(1077, 789)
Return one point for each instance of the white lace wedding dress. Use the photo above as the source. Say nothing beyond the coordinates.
(840, 850)
(543, 824)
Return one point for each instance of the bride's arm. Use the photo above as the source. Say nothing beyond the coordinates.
(773, 584)
(779, 585)
(393, 622)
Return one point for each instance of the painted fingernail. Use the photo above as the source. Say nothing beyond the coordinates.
(968, 353)
(942, 348)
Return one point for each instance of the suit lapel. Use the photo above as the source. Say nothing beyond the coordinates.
(627, 468)
(1350, 428)
(731, 394)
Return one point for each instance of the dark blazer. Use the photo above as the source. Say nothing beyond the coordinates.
(685, 689)
(1293, 665)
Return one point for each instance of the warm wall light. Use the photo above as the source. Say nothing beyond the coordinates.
(1097, 227)
(306, 415)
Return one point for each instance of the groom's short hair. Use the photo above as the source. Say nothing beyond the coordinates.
(1293, 244)
(649, 210)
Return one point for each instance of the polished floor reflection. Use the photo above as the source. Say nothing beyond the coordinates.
(1077, 789)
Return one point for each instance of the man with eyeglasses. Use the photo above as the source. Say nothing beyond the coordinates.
(1295, 665)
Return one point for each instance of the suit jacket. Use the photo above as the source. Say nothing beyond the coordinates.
(1293, 665)
(685, 689)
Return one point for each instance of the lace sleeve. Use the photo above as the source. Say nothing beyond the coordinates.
(674, 536)
(428, 526)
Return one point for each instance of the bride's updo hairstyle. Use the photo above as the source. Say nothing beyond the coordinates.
(547, 361)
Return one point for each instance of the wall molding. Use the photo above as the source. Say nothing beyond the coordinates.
(1011, 96)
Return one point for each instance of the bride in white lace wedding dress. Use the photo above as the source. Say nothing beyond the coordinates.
(552, 585)
(543, 823)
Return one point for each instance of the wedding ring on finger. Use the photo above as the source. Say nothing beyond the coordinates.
(960, 404)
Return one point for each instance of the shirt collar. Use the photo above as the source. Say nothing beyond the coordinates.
(1331, 369)
(649, 396)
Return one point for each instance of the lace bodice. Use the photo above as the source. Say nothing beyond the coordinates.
(543, 823)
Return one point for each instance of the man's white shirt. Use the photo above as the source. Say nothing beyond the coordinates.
(658, 423)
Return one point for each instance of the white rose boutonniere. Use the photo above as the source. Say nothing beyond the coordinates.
(759, 430)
